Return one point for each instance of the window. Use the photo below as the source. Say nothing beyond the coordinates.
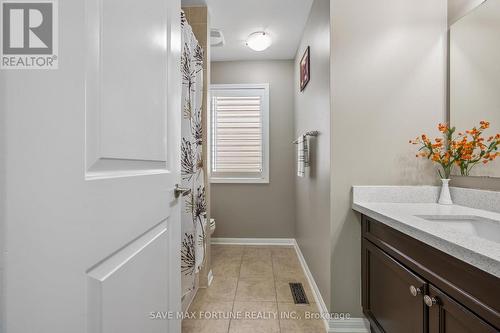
(240, 133)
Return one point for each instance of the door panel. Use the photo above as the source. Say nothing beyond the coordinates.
(126, 84)
(114, 303)
(447, 316)
(133, 78)
(387, 299)
(82, 250)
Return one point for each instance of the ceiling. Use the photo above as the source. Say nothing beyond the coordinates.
(284, 20)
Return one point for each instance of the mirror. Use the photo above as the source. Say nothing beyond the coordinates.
(475, 75)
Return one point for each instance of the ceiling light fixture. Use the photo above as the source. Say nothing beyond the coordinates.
(259, 41)
(216, 38)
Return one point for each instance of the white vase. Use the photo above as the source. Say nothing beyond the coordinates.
(445, 196)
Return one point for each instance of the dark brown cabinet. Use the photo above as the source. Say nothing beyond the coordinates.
(410, 287)
(447, 316)
(392, 292)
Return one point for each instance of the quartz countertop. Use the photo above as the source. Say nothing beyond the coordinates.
(398, 208)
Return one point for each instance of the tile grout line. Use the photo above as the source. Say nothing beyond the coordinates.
(275, 292)
(275, 281)
(235, 292)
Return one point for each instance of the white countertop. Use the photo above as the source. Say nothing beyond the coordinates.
(479, 252)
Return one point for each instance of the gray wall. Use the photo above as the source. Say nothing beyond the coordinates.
(388, 86)
(261, 210)
(459, 8)
(312, 112)
(3, 196)
(456, 9)
(474, 77)
(483, 183)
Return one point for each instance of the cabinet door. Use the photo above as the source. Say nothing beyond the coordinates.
(388, 300)
(448, 316)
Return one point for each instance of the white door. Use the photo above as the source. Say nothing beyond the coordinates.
(90, 225)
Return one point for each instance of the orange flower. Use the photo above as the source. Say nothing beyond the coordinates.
(464, 150)
(472, 132)
(443, 128)
(484, 124)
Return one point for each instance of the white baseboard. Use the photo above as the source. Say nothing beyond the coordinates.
(317, 295)
(351, 325)
(210, 278)
(253, 241)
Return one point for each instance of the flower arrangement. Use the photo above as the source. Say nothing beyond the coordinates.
(464, 150)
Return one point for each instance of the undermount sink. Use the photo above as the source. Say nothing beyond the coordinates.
(468, 224)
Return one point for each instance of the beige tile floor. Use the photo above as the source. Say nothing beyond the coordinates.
(250, 293)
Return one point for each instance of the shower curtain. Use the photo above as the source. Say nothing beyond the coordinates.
(193, 216)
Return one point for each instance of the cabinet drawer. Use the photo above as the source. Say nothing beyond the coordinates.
(473, 288)
(387, 300)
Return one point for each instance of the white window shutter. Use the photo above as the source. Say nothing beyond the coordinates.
(238, 132)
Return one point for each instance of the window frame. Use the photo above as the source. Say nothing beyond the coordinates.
(242, 178)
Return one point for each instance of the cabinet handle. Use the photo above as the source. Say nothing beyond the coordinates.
(414, 291)
(429, 301)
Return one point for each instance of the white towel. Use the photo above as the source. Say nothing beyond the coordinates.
(302, 155)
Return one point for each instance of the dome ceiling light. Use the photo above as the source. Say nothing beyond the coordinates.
(259, 41)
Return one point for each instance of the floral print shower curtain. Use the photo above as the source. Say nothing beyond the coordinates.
(193, 216)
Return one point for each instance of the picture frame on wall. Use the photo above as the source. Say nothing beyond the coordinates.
(305, 69)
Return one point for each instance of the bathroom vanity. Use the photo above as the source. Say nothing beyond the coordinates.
(428, 267)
